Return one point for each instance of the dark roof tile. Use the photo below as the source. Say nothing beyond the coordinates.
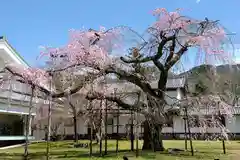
(171, 83)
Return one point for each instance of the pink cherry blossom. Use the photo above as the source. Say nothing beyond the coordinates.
(36, 76)
(85, 48)
(209, 40)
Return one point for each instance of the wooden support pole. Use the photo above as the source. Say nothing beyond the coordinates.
(222, 121)
(91, 129)
(49, 121)
(106, 126)
(189, 131)
(100, 143)
(131, 131)
(185, 131)
(91, 138)
(117, 140)
(137, 124)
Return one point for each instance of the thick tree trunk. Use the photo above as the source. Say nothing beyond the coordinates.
(75, 129)
(151, 137)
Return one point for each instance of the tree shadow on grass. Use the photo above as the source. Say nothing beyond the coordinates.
(143, 154)
(197, 154)
(110, 154)
(60, 154)
(83, 154)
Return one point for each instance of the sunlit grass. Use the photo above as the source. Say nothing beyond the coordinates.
(64, 150)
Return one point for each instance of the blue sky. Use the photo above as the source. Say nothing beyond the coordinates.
(28, 24)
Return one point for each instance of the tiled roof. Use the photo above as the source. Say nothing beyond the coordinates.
(171, 83)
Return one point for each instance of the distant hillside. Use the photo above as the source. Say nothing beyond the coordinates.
(220, 78)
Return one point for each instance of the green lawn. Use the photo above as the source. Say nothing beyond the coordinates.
(64, 150)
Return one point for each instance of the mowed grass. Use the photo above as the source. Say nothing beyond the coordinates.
(64, 150)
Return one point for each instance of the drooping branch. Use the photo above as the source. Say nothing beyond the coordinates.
(136, 107)
(171, 60)
(23, 93)
(71, 91)
(155, 57)
(159, 65)
(72, 66)
(27, 81)
(176, 57)
(171, 51)
(123, 75)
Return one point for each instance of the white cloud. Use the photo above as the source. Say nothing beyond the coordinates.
(197, 1)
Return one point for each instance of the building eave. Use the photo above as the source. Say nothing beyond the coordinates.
(13, 50)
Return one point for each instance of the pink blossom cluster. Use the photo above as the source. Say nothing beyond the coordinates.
(209, 39)
(36, 76)
(167, 21)
(89, 48)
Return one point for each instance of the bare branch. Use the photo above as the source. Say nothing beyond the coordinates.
(123, 75)
(176, 57)
(151, 58)
(136, 107)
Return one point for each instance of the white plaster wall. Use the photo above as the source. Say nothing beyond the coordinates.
(175, 94)
(167, 130)
(14, 108)
(178, 127)
(7, 56)
(123, 120)
(178, 124)
(2, 63)
(233, 124)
